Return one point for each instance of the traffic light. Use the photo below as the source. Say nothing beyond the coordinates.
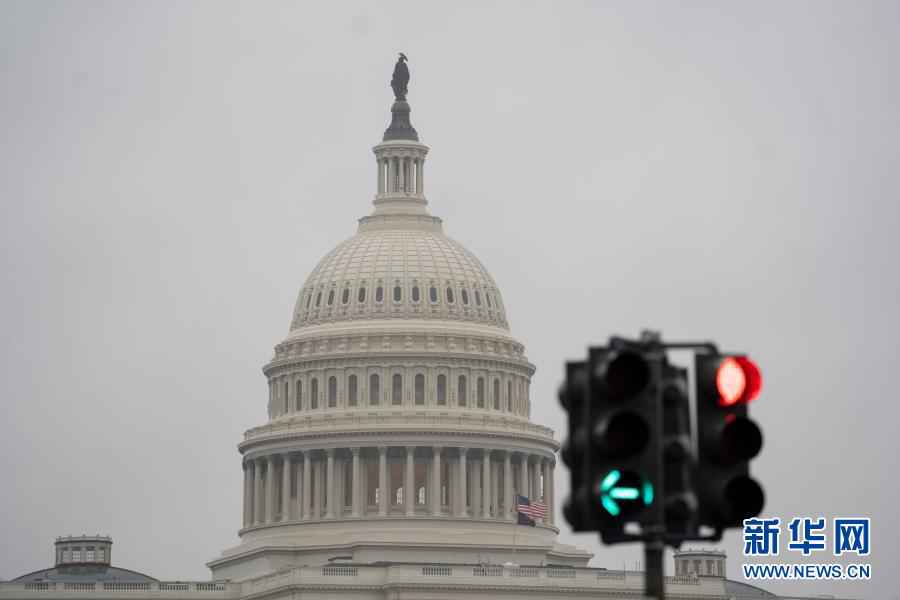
(727, 439)
(679, 502)
(573, 395)
(624, 423)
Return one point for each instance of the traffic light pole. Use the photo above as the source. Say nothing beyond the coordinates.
(654, 578)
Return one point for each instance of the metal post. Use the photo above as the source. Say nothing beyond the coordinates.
(654, 579)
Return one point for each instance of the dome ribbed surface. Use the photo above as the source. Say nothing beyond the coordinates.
(422, 274)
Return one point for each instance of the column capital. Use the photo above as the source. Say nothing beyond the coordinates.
(355, 450)
(287, 457)
(437, 449)
(463, 451)
(410, 449)
(329, 452)
(486, 452)
(382, 450)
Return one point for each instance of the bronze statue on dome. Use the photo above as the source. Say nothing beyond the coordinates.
(400, 79)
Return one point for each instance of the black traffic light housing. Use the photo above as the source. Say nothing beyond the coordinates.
(727, 440)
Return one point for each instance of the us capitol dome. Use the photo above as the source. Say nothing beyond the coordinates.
(398, 404)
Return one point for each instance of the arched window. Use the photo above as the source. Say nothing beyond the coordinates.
(432, 294)
(487, 297)
(351, 390)
(415, 293)
(477, 298)
(509, 396)
(442, 389)
(361, 295)
(345, 298)
(481, 392)
(374, 389)
(308, 300)
(379, 294)
(461, 391)
(332, 391)
(287, 396)
(314, 393)
(330, 297)
(450, 295)
(318, 299)
(496, 394)
(397, 389)
(420, 389)
(465, 297)
(298, 397)
(398, 293)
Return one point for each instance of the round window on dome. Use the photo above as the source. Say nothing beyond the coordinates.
(465, 297)
(415, 293)
(450, 295)
(398, 293)
(379, 294)
(433, 295)
(361, 295)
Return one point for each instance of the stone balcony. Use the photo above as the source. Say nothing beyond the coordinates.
(381, 581)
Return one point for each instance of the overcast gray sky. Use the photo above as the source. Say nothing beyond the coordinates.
(171, 172)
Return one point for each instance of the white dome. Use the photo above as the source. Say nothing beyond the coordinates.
(420, 272)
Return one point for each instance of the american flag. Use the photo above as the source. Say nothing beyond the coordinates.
(532, 510)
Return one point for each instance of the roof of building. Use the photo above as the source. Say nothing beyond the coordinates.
(86, 573)
(739, 591)
(411, 259)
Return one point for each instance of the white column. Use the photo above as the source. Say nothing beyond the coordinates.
(474, 488)
(419, 162)
(409, 494)
(495, 489)
(380, 182)
(545, 470)
(247, 485)
(551, 491)
(355, 492)
(329, 484)
(463, 509)
(307, 480)
(319, 495)
(435, 481)
(270, 489)
(382, 481)
(389, 184)
(508, 503)
(286, 488)
(486, 484)
(420, 185)
(523, 476)
(259, 515)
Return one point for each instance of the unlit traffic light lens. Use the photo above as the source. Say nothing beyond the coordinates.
(743, 498)
(741, 440)
(626, 433)
(627, 375)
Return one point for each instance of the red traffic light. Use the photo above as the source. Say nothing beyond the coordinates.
(738, 381)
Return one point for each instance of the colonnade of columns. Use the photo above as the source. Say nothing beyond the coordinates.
(401, 174)
(357, 482)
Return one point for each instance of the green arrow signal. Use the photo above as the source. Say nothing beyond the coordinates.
(610, 492)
